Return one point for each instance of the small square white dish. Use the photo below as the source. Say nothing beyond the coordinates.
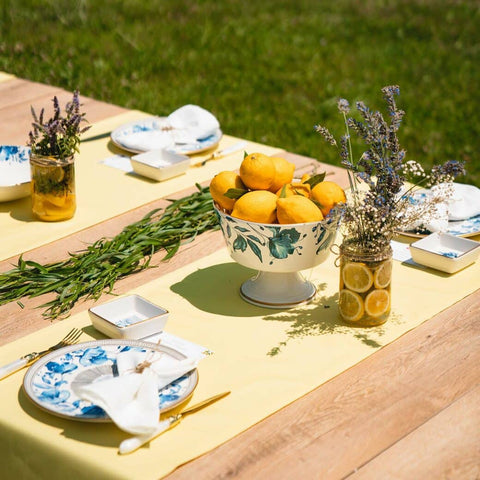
(160, 164)
(131, 317)
(15, 176)
(445, 252)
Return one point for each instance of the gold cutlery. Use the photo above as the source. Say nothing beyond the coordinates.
(131, 444)
(222, 153)
(70, 339)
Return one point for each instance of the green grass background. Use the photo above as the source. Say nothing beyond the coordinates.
(268, 69)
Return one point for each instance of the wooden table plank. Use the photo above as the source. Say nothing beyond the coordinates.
(447, 446)
(17, 96)
(346, 422)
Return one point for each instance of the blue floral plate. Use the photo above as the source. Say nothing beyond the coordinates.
(152, 133)
(48, 382)
(460, 228)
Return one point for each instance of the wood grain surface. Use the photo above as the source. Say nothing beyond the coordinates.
(409, 411)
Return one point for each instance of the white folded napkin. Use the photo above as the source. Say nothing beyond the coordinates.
(191, 123)
(148, 140)
(465, 202)
(131, 399)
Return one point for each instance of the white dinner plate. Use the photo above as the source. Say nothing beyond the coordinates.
(157, 126)
(48, 382)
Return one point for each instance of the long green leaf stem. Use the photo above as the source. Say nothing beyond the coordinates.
(89, 273)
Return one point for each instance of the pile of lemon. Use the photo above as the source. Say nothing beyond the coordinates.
(264, 191)
(364, 291)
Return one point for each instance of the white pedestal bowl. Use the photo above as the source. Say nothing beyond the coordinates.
(279, 253)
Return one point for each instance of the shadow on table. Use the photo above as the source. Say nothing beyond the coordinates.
(321, 317)
(215, 289)
(94, 433)
(20, 209)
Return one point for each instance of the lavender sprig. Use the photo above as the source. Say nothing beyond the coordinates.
(59, 136)
(378, 202)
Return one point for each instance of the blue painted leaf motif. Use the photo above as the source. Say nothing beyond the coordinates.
(281, 245)
(229, 231)
(60, 367)
(255, 250)
(241, 229)
(93, 356)
(255, 239)
(240, 244)
(54, 396)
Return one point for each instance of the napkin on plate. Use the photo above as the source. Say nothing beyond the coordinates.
(191, 123)
(148, 140)
(464, 203)
(131, 399)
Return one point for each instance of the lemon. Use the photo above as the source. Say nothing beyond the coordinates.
(377, 302)
(350, 305)
(383, 275)
(327, 194)
(283, 173)
(305, 177)
(357, 277)
(56, 200)
(297, 209)
(256, 206)
(220, 184)
(294, 189)
(257, 171)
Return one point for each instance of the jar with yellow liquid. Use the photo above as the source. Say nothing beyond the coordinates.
(365, 285)
(53, 188)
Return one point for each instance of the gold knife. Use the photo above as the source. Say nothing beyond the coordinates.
(131, 444)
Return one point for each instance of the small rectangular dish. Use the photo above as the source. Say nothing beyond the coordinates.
(160, 164)
(445, 252)
(130, 317)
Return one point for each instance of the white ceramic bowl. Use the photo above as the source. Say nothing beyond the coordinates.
(160, 164)
(279, 253)
(130, 317)
(445, 252)
(15, 173)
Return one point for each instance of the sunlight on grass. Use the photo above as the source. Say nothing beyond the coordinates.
(269, 70)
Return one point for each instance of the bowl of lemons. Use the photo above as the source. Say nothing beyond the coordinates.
(277, 225)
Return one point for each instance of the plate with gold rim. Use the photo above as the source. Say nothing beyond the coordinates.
(49, 382)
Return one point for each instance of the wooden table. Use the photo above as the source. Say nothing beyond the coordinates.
(410, 410)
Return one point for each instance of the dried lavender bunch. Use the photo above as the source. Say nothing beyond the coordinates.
(59, 136)
(379, 203)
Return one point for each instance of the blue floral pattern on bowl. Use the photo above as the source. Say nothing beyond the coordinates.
(50, 381)
(277, 248)
(15, 172)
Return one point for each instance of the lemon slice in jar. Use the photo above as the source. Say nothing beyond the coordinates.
(377, 302)
(383, 275)
(350, 305)
(357, 277)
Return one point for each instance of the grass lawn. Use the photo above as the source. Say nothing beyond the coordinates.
(269, 70)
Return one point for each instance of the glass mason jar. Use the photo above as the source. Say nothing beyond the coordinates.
(365, 285)
(53, 188)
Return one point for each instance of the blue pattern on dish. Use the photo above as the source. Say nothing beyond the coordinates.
(467, 227)
(157, 124)
(14, 154)
(51, 384)
(282, 242)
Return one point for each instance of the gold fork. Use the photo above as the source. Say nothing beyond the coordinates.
(71, 338)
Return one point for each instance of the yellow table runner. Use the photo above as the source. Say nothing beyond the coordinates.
(6, 76)
(267, 358)
(104, 192)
